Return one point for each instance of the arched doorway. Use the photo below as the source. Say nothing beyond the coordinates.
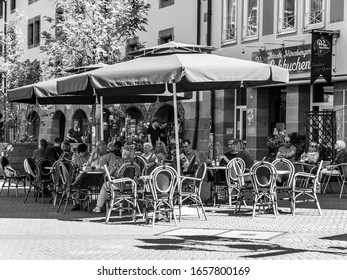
(133, 125)
(82, 119)
(33, 125)
(58, 125)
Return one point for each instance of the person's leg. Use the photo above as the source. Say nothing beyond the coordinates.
(101, 198)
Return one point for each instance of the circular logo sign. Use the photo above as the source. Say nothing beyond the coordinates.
(321, 46)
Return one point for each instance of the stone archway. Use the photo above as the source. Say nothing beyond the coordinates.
(58, 125)
(82, 119)
(155, 107)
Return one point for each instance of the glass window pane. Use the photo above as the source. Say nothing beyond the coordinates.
(229, 19)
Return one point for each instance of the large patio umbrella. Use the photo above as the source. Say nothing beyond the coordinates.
(46, 93)
(179, 71)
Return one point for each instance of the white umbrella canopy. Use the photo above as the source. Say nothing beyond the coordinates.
(172, 47)
(181, 72)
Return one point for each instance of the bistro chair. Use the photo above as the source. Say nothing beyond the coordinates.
(338, 171)
(237, 185)
(59, 187)
(123, 190)
(163, 183)
(190, 190)
(285, 176)
(14, 178)
(305, 185)
(39, 177)
(263, 176)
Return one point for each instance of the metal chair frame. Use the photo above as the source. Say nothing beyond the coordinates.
(162, 195)
(123, 190)
(37, 177)
(306, 184)
(190, 190)
(287, 187)
(16, 179)
(235, 176)
(264, 190)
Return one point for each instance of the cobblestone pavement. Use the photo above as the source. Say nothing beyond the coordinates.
(35, 231)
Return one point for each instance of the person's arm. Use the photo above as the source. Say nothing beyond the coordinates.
(291, 153)
(149, 138)
(70, 137)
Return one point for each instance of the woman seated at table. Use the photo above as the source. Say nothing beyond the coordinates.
(312, 155)
(148, 154)
(339, 158)
(160, 151)
(128, 155)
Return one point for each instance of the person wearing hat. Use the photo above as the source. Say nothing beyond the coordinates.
(75, 134)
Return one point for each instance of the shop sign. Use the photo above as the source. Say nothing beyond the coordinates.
(321, 56)
(296, 59)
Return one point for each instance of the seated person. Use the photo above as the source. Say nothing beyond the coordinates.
(189, 158)
(339, 158)
(98, 158)
(81, 157)
(66, 148)
(312, 155)
(8, 169)
(41, 151)
(160, 150)
(53, 153)
(240, 151)
(287, 151)
(148, 154)
(128, 155)
(229, 155)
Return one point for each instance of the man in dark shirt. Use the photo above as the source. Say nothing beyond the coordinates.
(223, 161)
(153, 132)
(54, 152)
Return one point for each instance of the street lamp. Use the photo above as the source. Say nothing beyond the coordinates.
(4, 79)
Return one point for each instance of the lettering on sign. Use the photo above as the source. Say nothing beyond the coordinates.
(296, 59)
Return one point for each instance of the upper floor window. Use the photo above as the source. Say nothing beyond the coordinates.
(166, 36)
(32, 1)
(314, 13)
(250, 19)
(13, 5)
(34, 32)
(165, 3)
(132, 44)
(287, 19)
(1, 9)
(229, 20)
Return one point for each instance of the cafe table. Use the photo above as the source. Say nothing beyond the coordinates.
(97, 178)
(216, 185)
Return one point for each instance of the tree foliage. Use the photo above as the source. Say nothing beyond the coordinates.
(91, 31)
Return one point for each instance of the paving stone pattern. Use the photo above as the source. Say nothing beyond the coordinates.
(35, 231)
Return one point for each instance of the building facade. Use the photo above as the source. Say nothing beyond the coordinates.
(269, 31)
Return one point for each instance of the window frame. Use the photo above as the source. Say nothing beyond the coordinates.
(281, 18)
(307, 15)
(166, 3)
(233, 22)
(34, 32)
(245, 21)
(165, 34)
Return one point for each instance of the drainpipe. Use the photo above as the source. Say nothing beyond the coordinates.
(212, 104)
(197, 94)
